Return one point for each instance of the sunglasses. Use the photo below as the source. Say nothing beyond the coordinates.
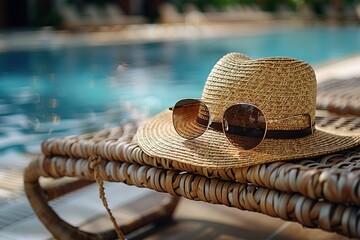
(244, 125)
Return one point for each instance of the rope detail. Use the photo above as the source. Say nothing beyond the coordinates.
(94, 162)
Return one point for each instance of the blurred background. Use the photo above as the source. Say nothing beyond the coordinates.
(75, 66)
(61, 14)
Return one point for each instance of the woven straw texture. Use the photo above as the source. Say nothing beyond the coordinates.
(320, 193)
(280, 87)
(340, 96)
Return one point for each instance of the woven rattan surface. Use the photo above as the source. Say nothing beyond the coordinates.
(340, 96)
(342, 218)
(308, 177)
(322, 193)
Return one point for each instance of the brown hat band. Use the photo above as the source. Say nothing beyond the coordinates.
(272, 134)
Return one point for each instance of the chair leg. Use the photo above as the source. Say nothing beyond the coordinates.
(39, 198)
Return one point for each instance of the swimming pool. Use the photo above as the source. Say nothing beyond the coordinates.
(72, 90)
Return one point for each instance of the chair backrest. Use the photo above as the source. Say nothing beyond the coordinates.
(71, 16)
(94, 15)
(114, 14)
(169, 14)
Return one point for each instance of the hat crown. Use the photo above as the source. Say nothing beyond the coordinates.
(279, 86)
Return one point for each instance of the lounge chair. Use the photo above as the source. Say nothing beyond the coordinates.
(318, 193)
(95, 16)
(193, 15)
(169, 14)
(73, 20)
(347, 96)
(285, 190)
(238, 13)
(115, 16)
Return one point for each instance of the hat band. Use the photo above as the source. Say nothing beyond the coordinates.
(273, 134)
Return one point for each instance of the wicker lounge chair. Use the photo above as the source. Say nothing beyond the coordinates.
(340, 96)
(319, 192)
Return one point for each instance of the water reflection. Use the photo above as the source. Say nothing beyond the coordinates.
(49, 93)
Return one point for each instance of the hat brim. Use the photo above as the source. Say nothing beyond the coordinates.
(158, 138)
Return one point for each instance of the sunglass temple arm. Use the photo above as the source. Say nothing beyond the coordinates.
(298, 115)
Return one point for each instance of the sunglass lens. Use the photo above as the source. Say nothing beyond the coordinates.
(244, 125)
(190, 118)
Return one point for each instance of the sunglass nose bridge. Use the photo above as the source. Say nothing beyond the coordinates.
(211, 119)
(226, 125)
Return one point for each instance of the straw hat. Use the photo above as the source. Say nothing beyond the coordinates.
(279, 86)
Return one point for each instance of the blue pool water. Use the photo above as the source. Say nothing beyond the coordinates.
(51, 92)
